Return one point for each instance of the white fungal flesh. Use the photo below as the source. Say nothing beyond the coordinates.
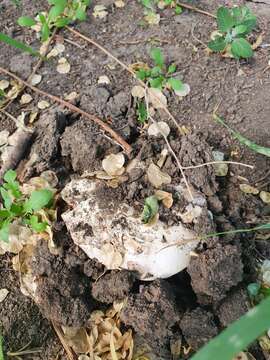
(115, 235)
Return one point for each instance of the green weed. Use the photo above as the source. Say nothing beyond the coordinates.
(15, 206)
(159, 76)
(150, 209)
(234, 25)
(152, 5)
(61, 14)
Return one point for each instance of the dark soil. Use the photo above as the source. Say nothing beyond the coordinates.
(201, 301)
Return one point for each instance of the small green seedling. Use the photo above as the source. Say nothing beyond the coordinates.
(61, 14)
(234, 25)
(15, 206)
(152, 5)
(159, 76)
(150, 209)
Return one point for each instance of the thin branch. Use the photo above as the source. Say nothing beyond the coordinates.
(193, 8)
(35, 69)
(127, 148)
(217, 162)
(167, 111)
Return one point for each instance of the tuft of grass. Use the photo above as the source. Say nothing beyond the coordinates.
(234, 26)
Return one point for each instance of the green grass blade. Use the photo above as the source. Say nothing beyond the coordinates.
(1, 348)
(238, 335)
(257, 228)
(253, 146)
(17, 44)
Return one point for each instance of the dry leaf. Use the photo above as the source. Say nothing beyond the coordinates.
(157, 177)
(63, 66)
(4, 134)
(248, 189)
(3, 294)
(36, 79)
(265, 196)
(43, 104)
(60, 47)
(165, 197)
(113, 164)
(33, 117)
(157, 98)
(138, 91)
(152, 18)
(100, 11)
(4, 84)
(119, 3)
(53, 53)
(258, 42)
(159, 128)
(26, 99)
(184, 91)
(72, 96)
(103, 80)
(112, 258)
(78, 339)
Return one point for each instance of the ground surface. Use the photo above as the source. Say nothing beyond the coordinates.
(212, 290)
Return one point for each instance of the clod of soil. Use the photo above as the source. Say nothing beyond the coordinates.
(198, 327)
(153, 314)
(47, 135)
(114, 286)
(84, 145)
(62, 294)
(233, 307)
(215, 271)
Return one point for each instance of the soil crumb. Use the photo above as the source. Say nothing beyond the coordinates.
(152, 313)
(63, 294)
(114, 286)
(198, 327)
(214, 272)
(233, 307)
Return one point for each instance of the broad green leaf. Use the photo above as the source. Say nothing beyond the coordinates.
(6, 198)
(26, 21)
(150, 209)
(156, 71)
(225, 20)
(4, 214)
(4, 232)
(171, 69)
(56, 11)
(253, 146)
(178, 10)
(10, 176)
(62, 22)
(17, 44)
(239, 29)
(80, 14)
(16, 210)
(1, 348)
(142, 112)
(241, 48)
(38, 200)
(157, 56)
(157, 82)
(176, 84)
(45, 32)
(238, 335)
(14, 188)
(141, 74)
(36, 225)
(219, 44)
